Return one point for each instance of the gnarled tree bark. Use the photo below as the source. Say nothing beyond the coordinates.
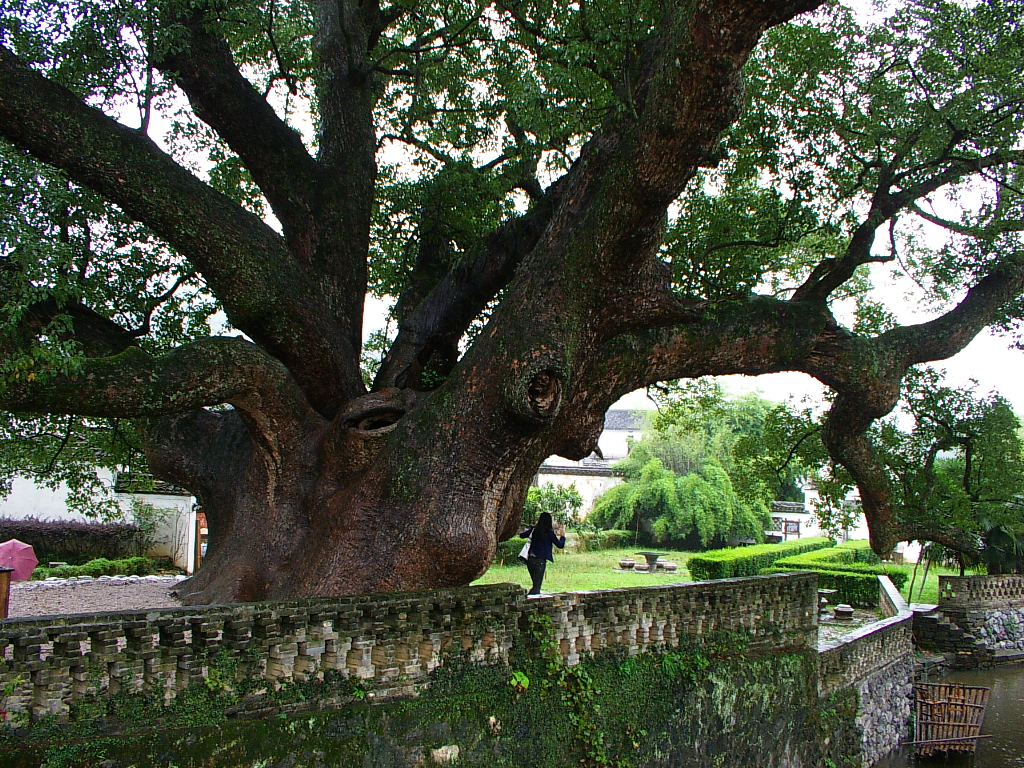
(311, 484)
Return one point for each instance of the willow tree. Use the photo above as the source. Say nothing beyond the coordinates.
(567, 200)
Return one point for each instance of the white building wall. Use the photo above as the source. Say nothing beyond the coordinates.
(590, 487)
(30, 500)
(614, 443)
(175, 534)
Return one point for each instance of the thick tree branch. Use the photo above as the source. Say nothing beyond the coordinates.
(242, 260)
(949, 333)
(982, 233)
(206, 452)
(98, 335)
(440, 319)
(207, 372)
(831, 273)
(688, 90)
(846, 439)
(346, 95)
(273, 153)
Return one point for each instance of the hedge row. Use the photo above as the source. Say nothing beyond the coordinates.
(833, 556)
(101, 566)
(748, 561)
(72, 541)
(859, 589)
(508, 551)
(808, 561)
(598, 540)
(862, 551)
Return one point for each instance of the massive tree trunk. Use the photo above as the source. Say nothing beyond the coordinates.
(312, 484)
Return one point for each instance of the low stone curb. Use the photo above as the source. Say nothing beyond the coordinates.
(53, 582)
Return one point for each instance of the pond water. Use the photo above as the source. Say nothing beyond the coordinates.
(830, 628)
(1004, 724)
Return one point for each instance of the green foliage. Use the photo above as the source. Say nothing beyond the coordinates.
(821, 561)
(834, 557)
(851, 587)
(664, 507)
(954, 458)
(891, 98)
(1003, 550)
(862, 551)
(594, 541)
(101, 566)
(508, 551)
(562, 502)
(147, 518)
(748, 561)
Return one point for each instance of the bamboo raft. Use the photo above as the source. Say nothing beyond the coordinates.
(949, 717)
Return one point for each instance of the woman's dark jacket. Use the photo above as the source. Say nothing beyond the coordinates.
(542, 549)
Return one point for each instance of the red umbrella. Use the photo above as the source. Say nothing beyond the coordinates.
(19, 556)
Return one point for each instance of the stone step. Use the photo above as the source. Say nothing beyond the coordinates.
(1006, 655)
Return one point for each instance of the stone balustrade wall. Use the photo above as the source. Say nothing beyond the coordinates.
(855, 656)
(773, 614)
(979, 620)
(978, 592)
(390, 643)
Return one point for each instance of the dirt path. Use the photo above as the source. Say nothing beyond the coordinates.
(41, 598)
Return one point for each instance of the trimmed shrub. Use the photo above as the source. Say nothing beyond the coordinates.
(72, 541)
(593, 541)
(748, 561)
(853, 588)
(827, 557)
(508, 551)
(617, 539)
(101, 566)
(862, 551)
(808, 561)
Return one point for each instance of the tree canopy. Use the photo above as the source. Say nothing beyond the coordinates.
(567, 201)
(954, 459)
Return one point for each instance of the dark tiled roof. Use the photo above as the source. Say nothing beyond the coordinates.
(142, 483)
(788, 507)
(635, 420)
(591, 465)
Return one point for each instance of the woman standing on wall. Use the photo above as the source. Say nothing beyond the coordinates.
(541, 537)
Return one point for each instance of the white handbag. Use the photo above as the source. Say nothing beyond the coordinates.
(525, 551)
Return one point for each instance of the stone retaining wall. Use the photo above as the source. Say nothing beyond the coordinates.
(876, 661)
(979, 620)
(390, 643)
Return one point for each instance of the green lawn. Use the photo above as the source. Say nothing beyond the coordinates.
(575, 571)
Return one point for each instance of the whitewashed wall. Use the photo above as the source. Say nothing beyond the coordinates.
(175, 534)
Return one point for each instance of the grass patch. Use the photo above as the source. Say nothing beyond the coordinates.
(930, 593)
(575, 571)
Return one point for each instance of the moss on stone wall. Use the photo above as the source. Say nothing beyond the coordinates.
(706, 706)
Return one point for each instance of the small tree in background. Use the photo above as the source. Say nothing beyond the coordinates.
(697, 509)
(564, 503)
(953, 460)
